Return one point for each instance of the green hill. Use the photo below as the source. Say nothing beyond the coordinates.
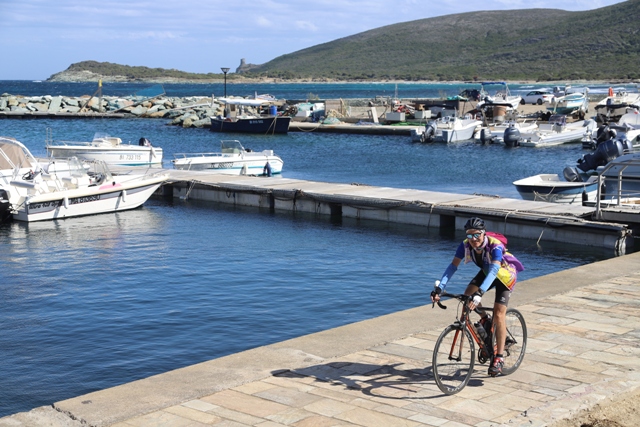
(530, 44)
(534, 44)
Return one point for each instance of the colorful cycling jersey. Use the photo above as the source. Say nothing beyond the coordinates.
(493, 250)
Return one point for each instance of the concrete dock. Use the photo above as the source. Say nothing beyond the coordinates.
(512, 217)
(582, 349)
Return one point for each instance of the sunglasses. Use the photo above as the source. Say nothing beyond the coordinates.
(474, 236)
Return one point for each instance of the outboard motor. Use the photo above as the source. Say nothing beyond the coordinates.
(429, 132)
(604, 153)
(5, 213)
(572, 175)
(604, 133)
(486, 137)
(512, 137)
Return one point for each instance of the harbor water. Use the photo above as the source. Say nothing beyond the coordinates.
(93, 302)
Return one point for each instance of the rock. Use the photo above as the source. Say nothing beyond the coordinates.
(55, 104)
(202, 123)
(138, 111)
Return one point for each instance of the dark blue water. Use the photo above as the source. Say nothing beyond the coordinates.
(93, 302)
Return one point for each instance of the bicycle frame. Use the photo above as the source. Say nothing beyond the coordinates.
(463, 322)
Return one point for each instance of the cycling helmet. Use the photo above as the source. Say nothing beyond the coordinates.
(474, 223)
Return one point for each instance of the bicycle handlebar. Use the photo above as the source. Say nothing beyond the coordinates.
(462, 298)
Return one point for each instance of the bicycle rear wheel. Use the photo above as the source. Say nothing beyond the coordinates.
(516, 341)
(453, 359)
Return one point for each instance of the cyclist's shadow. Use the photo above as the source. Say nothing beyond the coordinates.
(386, 381)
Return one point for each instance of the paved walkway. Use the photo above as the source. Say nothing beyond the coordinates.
(583, 347)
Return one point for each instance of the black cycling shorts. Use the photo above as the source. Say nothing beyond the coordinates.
(502, 292)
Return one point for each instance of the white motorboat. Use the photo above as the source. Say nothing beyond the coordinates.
(501, 96)
(552, 188)
(68, 188)
(616, 105)
(447, 129)
(557, 131)
(233, 159)
(108, 149)
(494, 134)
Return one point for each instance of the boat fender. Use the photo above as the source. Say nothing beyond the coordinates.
(267, 169)
(123, 195)
(65, 202)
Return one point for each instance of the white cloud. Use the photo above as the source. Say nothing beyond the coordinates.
(306, 26)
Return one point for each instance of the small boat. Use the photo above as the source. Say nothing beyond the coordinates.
(614, 106)
(573, 103)
(626, 130)
(243, 121)
(556, 131)
(495, 133)
(552, 188)
(447, 129)
(502, 96)
(75, 188)
(108, 149)
(233, 159)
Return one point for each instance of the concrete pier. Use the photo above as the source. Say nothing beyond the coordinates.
(512, 217)
(582, 349)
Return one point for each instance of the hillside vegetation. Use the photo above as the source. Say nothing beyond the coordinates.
(530, 44)
(534, 44)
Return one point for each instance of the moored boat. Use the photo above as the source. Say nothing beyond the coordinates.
(555, 132)
(552, 188)
(447, 129)
(78, 188)
(237, 119)
(233, 159)
(108, 149)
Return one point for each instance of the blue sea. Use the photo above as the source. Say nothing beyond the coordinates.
(93, 302)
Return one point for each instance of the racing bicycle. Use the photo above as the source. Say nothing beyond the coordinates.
(454, 354)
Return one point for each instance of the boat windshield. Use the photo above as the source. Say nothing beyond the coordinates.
(558, 119)
(231, 146)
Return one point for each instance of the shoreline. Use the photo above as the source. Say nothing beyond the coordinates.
(241, 80)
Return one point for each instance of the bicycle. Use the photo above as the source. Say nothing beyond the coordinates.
(454, 353)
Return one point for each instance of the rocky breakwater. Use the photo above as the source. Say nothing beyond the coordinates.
(185, 112)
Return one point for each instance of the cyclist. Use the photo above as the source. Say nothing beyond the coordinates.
(498, 269)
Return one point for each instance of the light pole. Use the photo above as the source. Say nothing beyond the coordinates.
(225, 71)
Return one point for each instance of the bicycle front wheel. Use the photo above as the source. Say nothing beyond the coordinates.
(453, 359)
(515, 342)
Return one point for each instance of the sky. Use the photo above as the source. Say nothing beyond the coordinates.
(39, 38)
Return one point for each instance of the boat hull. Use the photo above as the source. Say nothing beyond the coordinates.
(118, 156)
(261, 125)
(550, 188)
(231, 166)
(112, 197)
